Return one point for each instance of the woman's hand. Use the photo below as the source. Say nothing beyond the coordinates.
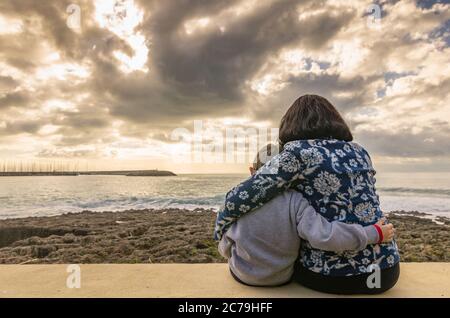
(387, 229)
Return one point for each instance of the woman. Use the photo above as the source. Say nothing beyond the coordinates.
(336, 176)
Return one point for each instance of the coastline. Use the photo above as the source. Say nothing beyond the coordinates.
(168, 236)
(128, 173)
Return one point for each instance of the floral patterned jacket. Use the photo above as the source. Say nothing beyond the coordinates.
(338, 180)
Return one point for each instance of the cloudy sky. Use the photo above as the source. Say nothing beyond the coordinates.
(110, 92)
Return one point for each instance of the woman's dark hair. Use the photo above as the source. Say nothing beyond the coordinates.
(313, 117)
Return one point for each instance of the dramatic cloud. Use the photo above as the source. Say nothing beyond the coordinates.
(133, 71)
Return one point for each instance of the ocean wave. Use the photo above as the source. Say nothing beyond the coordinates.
(114, 204)
(424, 191)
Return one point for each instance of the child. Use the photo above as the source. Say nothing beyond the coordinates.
(262, 247)
(319, 160)
(269, 151)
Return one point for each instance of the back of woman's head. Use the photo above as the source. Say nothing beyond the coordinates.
(313, 117)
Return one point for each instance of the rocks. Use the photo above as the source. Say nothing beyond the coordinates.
(201, 245)
(166, 236)
(69, 238)
(139, 231)
(42, 251)
(87, 240)
(125, 249)
(144, 236)
(9, 235)
(420, 239)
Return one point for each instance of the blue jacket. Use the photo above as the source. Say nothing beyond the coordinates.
(337, 178)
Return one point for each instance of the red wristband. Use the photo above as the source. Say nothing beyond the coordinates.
(380, 233)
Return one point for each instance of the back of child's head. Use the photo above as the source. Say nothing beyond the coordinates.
(264, 155)
(313, 117)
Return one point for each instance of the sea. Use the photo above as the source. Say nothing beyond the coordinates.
(27, 196)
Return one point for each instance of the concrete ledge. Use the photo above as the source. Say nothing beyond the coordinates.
(189, 280)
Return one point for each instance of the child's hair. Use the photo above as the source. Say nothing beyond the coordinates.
(313, 117)
(264, 155)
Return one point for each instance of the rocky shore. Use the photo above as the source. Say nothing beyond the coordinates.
(168, 236)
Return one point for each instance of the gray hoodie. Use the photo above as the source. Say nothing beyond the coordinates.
(262, 246)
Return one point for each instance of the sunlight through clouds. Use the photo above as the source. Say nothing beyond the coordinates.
(136, 70)
(122, 18)
(192, 26)
(10, 26)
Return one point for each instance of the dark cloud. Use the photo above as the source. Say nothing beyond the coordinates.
(14, 99)
(89, 126)
(21, 63)
(7, 83)
(19, 127)
(53, 18)
(326, 85)
(82, 121)
(430, 142)
(198, 76)
(206, 74)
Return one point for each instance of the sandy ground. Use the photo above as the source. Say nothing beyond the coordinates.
(166, 236)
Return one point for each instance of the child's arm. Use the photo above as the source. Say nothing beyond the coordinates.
(273, 178)
(338, 236)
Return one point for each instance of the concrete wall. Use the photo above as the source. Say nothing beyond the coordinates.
(189, 280)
